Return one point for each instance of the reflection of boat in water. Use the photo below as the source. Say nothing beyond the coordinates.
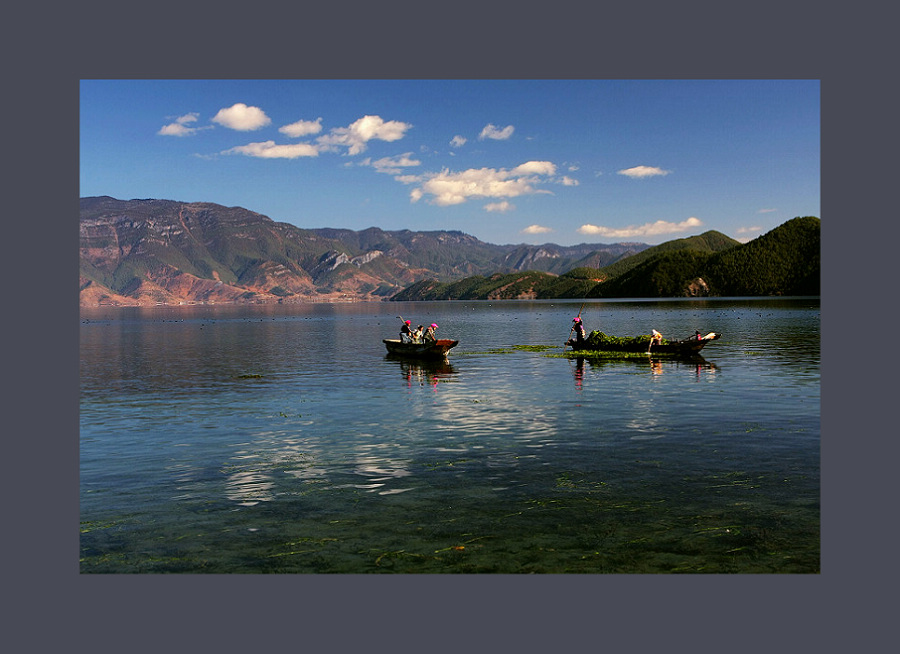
(430, 371)
(423, 367)
(601, 344)
(435, 350)
(655, 365)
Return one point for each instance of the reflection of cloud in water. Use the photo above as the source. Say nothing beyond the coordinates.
(379, 469)
(645, 420)
(248, 487)
(252, 473)
(646, 437)
(255, 472)
(462, 418)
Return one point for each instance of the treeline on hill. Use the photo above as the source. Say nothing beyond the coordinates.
(785, 261)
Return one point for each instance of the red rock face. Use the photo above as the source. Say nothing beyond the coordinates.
(145, 252)
(148, 252)
(155, 252)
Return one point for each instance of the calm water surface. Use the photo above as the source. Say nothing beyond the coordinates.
(279, 439)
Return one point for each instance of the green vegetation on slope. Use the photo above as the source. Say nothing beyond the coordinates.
(708, 242)
(785, 261)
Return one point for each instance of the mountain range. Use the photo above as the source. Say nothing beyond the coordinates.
(148, 252)
(784, 261)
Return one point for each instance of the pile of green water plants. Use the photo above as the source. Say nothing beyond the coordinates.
(599, 344)
(600, 341)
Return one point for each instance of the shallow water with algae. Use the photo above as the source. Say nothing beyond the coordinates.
(284, 439)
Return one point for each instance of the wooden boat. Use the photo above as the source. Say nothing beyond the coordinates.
(435, 350)
(597, 341)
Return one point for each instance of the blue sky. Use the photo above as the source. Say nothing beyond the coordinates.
(507, 161)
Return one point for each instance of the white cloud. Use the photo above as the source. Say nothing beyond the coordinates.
(746, 234)
(179, 127)
(534, 168)
(458, 141)
(242, 118)
(499, 207)
(536, 229)
(448, 188)
(565, 180)
(270, 150)
(767, 210)
(394, 165)
(302, 128)
(640, 172)
(493, 132)
(176, 129)
(356, 137)
(658, 228)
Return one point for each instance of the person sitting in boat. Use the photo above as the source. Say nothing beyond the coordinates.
(579, 332)
(406, 333)
(418, 334)
(429, 335)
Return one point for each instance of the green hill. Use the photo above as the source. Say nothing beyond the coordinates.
(668, 274)
(784, 261)
(708, 242)
(531, 284)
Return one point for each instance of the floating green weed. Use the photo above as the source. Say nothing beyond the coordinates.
(565, 481)
(319, 542)
(397, 554)
(535, 348)
(88, 526)
(460, 547)
(509, 349)
(444, 464)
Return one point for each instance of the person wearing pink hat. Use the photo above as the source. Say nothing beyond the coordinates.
(578, 326)
(429, 334)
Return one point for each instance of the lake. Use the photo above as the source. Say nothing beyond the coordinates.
(283, 439)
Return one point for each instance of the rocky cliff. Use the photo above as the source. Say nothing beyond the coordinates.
(146, 252)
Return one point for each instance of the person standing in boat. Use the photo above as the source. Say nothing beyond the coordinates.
(430, 336)
(406, 333)
(579, 331)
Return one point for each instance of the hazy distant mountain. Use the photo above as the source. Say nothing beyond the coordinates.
(168, 252)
